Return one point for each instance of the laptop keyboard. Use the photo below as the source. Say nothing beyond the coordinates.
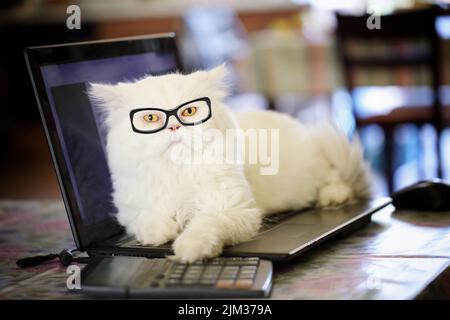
(134, 243)
(273, 220)
(267, 224)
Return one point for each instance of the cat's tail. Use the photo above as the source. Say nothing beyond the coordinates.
(346, 157)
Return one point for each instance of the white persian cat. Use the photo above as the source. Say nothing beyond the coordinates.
(206, 206)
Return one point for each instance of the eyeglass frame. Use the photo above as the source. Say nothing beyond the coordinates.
(169, 113)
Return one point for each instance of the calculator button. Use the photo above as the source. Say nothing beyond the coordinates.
(210, 276)
(217, 261)
(178, 270)
(189, 270)
(227, 276)
(173, 282)
(230, 272)
(175, 275)
(233, 261)
(248, 268)
(178, 278)
(246, 276)
(247, 271)
(212, 269)
(189, 281)
(207, 281)
(231, 268)
(242, 262)
(248, 263)
(252, 259)
(243, 283)
(225, 283)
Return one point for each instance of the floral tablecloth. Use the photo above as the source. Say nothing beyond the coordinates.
(400, 255)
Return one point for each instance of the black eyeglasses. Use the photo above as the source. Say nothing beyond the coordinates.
(151, 120)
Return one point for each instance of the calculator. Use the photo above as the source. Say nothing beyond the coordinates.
(141, 277)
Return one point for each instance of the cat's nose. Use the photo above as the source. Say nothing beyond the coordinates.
(174, 127)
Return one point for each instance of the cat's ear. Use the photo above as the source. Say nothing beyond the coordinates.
(214, 81)
(218, 74)
(218, 79)
(101, 93)
(104, 97)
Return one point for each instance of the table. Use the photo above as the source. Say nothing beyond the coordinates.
(399, 255)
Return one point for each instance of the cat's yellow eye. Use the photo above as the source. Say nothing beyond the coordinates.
(190, 111)
(151, 117)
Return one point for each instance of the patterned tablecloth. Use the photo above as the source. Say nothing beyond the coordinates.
(400, 255)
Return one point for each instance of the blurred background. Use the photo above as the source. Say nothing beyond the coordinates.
(313, 59)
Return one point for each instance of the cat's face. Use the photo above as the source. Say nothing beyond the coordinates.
(164, 92)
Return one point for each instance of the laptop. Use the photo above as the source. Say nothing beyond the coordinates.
(60, 74)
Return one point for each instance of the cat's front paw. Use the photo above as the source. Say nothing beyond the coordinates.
(157, 231)
(189, 247)
(334, 195)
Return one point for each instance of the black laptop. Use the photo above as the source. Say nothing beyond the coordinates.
(76, 138)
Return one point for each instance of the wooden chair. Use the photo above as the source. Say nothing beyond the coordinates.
(403, 26)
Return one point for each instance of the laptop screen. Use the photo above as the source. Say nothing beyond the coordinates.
(80, 127)
(62, 82)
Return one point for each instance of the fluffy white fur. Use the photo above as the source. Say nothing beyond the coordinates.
(204, 207)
